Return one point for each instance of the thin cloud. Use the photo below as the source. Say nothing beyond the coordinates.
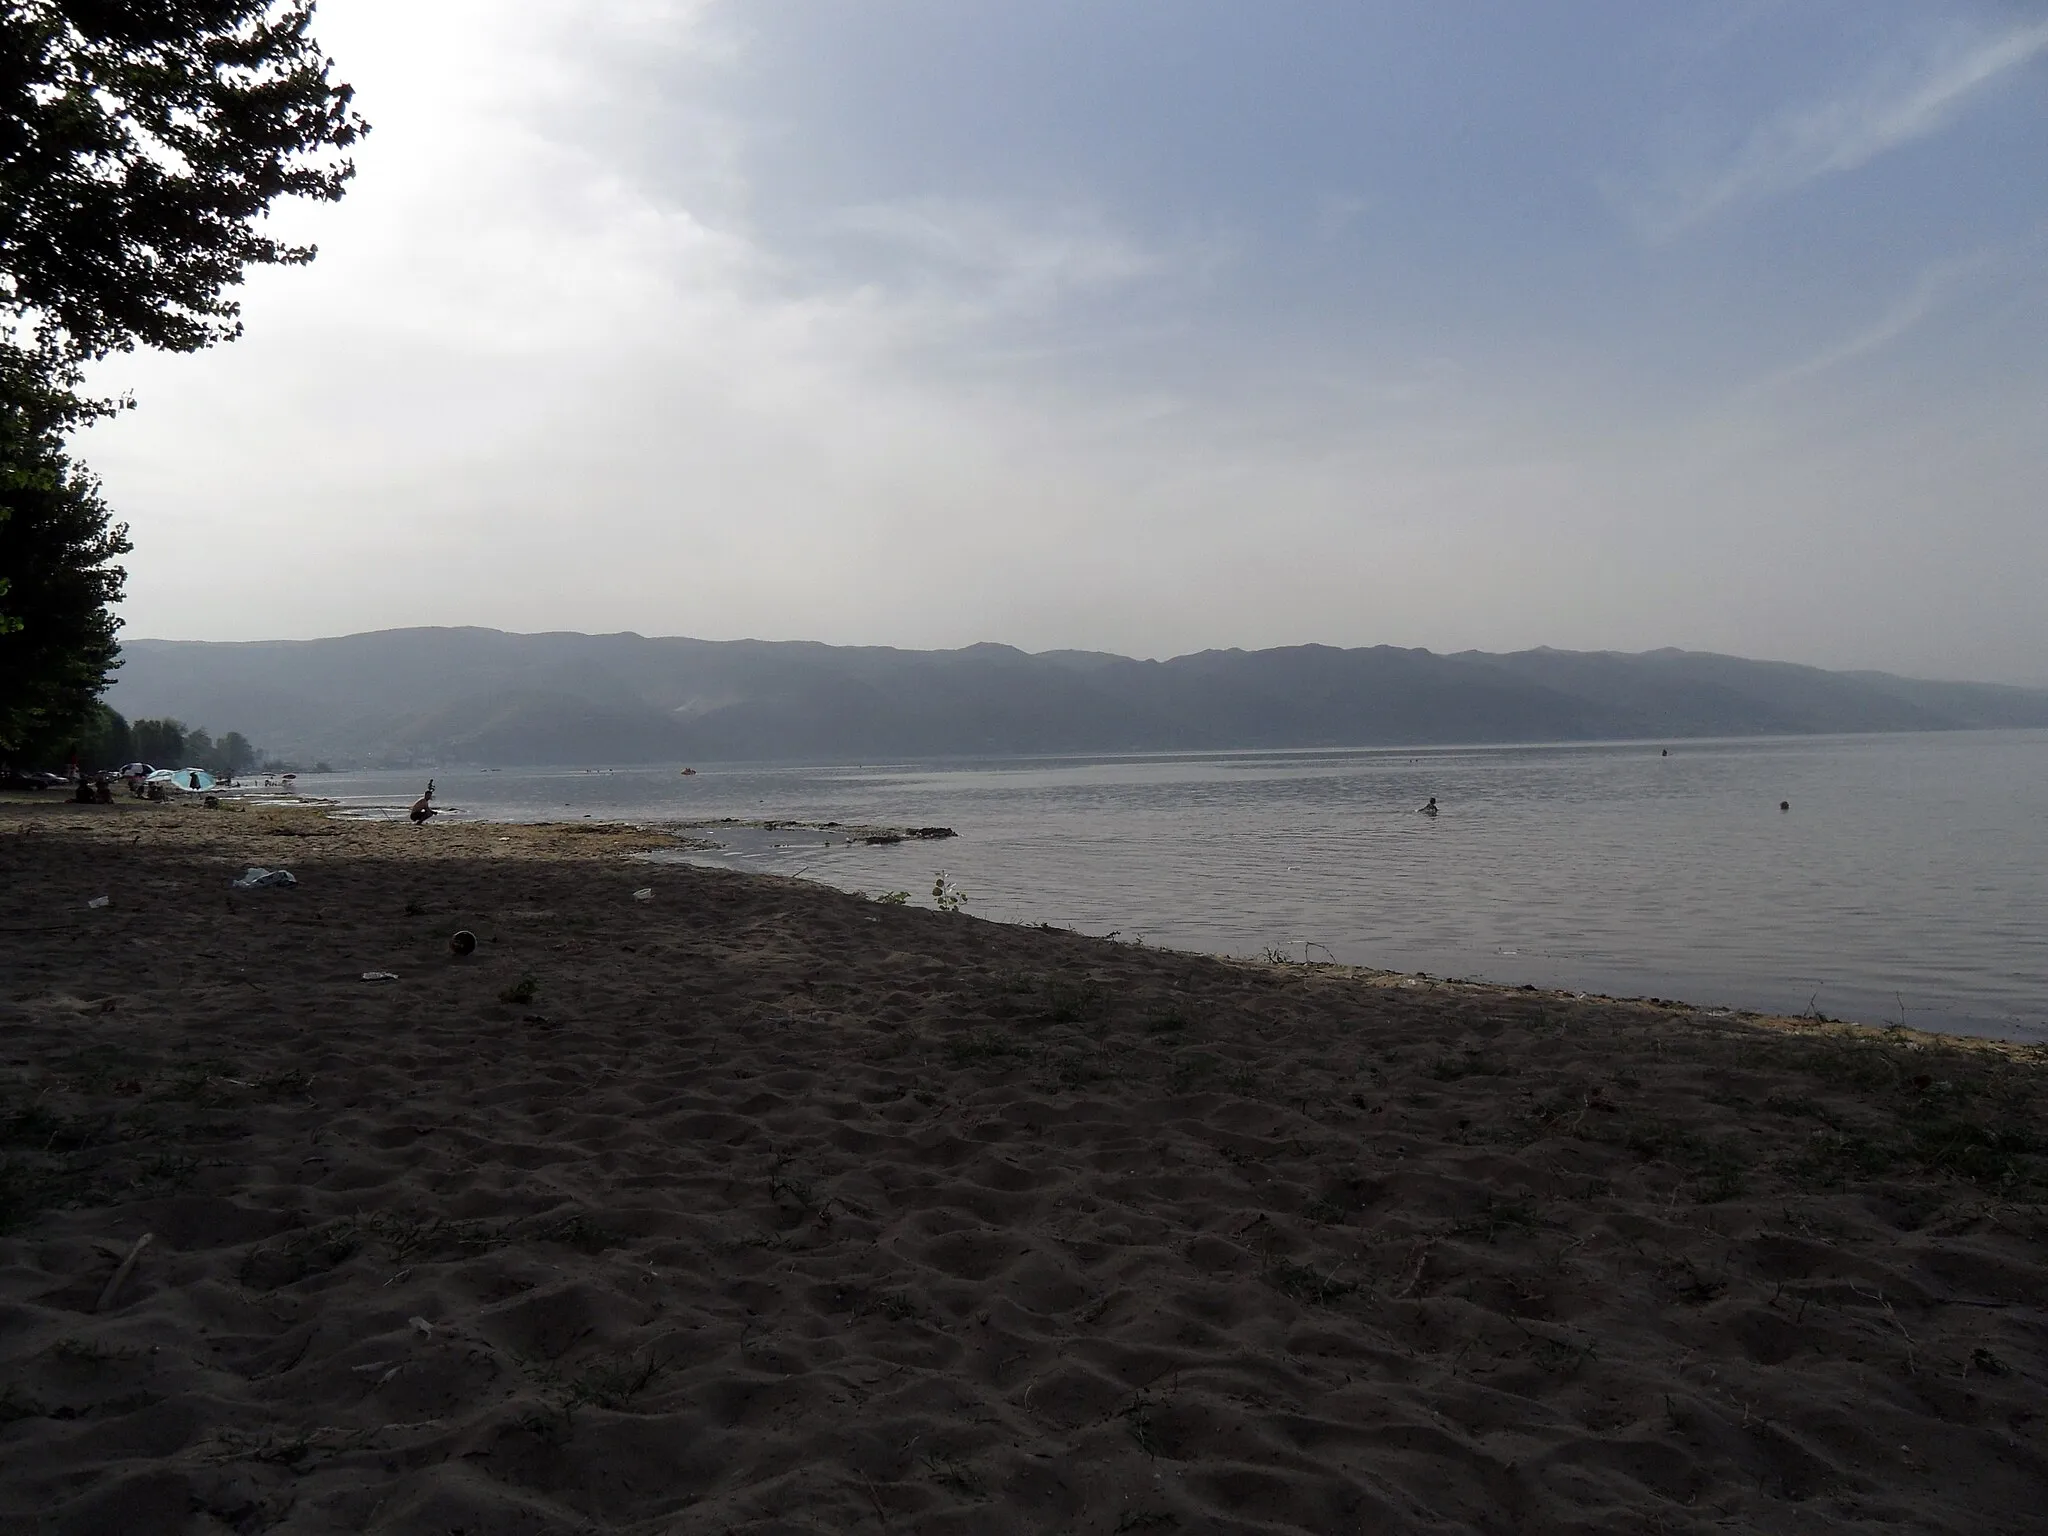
(1905, 101)
(1938, 287)
(1005, 256)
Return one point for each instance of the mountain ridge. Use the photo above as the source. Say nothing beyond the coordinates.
(471, 694)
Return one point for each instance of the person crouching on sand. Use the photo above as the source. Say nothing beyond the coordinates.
(423, 807)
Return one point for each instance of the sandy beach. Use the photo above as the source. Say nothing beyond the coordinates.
(752, 1206)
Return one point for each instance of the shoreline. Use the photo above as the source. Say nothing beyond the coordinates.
(675, 840)
(753, 1206)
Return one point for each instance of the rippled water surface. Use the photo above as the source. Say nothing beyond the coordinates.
(1907, 882)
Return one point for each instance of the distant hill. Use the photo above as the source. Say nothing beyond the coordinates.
(484, 696)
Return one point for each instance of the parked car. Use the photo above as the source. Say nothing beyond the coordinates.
(33, 780)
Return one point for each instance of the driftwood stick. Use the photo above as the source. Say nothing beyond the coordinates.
(121, 1274)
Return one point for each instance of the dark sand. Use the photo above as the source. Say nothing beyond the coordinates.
(775, 1210)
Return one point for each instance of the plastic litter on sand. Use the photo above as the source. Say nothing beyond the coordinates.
(99, 901)
(645, 893)
(380, 975)
(253, 877)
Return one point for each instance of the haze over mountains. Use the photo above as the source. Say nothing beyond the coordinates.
(419, 696)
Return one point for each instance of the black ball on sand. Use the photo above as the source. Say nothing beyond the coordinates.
(462, 941)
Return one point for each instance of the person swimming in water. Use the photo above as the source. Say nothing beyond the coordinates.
(423, 807)
(1429, 809)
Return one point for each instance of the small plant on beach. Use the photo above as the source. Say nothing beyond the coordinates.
(615, 1383)
(521, 991)
(1499, 1216)
(1143, 1520)
(1984, 1361)
(1560, 1357)
(1071, 1070)
(1069, 1002)
(1448, 1069)
(310, 1251)
(791, 1187)
(947, 896)
(1138, 1420)
(1692, 1287)
(893, 898)
(577, 1230)
(899, 1306)
(1326, 1209)
(956, 1475)
(1189, 1069)
(982, 1045)
(91, 1351)
(285, 1083)
(1309, 1285)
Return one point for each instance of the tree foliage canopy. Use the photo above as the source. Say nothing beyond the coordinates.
(58, 548)
(141, 143)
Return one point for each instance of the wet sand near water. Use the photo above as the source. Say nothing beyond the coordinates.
(757, 1207)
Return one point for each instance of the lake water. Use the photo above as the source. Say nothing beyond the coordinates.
(1908, 882)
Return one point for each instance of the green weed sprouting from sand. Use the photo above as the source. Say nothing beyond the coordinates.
(285, 1083)
(1560, 1357)
(1448, 1069)
(1143, 1520)
(612, 1384)
(947, 896)
(521, 991)
(578, 1230)
(899, 1307)
(1499, 1216)
(1138, 1420)
(1069, 1002)
(1691, 1287)
(1190, 1068)
(798, 1190)
(949, 1472)
(982, 1045)
(1325, 1210)
(1071, 1070)
(309, 1252)
(1310, 1285)
(92, 1351)
(894, 898)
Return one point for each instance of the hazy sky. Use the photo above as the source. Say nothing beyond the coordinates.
(1144, 325)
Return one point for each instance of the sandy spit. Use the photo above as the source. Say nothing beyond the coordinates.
(755, 1207)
